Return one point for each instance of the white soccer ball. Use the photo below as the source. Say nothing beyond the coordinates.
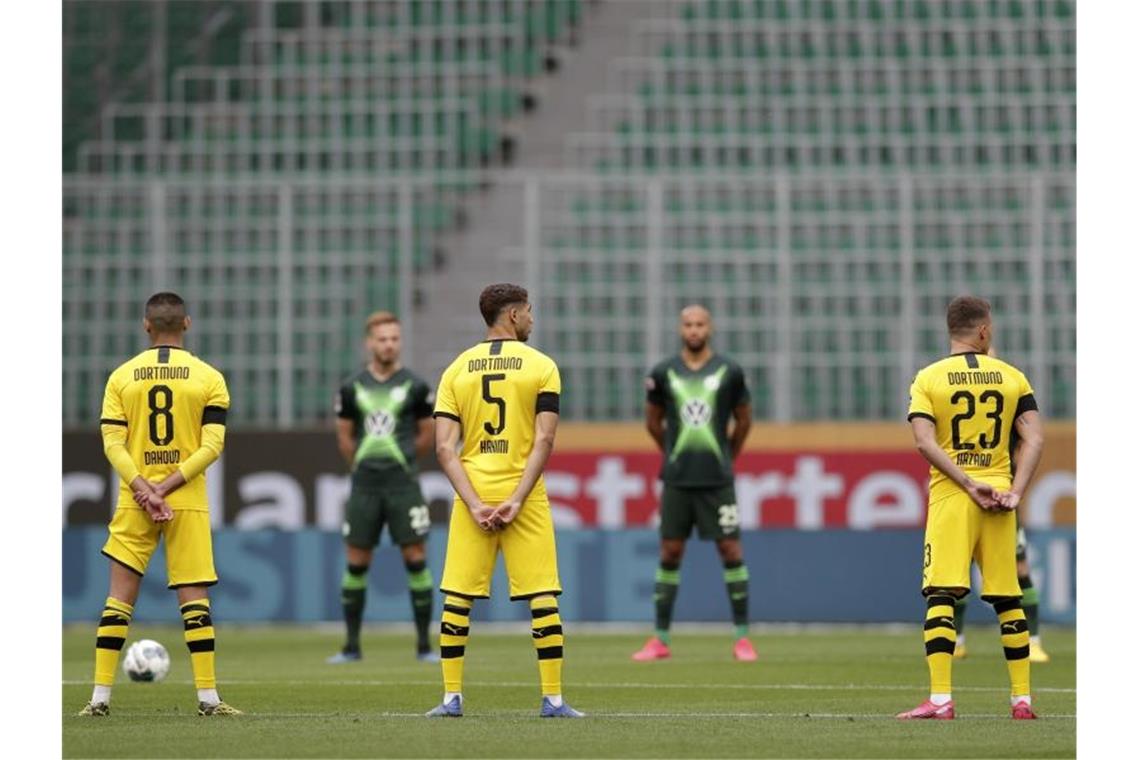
(146, 660)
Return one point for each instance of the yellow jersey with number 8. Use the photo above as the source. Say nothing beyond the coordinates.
(168, 408)
(973, 401)
(494, 390)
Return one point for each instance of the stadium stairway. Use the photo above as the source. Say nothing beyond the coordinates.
(490, 249)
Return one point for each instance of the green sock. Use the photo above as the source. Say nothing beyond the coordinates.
(353, 587)
(664, 595)
(1029, 602)
(960, 614)
(420, 588)
(736, 581)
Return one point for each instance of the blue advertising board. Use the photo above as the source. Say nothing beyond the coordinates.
(607, 575)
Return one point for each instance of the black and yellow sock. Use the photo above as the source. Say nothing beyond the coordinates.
(109, 639)
(960, 614)
(420, 588)
(454, 627)
(736, 581)
(664, 595)
(1029, 602)
(353, 588)
(938, 632)
(1015, 642)
(546, 629)
(198, 630)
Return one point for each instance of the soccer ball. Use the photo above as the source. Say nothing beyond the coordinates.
(146, 660)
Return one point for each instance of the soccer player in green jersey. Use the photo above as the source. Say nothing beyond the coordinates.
(383, 423)
(691, 399)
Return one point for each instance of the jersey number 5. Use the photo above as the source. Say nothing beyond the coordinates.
(498, 401)
(986, 442)
(161, 401)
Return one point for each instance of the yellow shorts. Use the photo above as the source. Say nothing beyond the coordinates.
(189, 550)
(528, 553)
(958, 530)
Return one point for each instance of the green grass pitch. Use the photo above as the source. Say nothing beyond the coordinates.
(814, 693)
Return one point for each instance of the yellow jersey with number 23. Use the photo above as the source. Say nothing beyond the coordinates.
(973, 401)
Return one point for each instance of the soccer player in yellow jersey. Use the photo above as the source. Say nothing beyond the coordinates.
(163, 423)
(964, 410)
(501, 397)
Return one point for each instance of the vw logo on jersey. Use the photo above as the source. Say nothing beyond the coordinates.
(712, 382)
(695, 412)
(379, 422)
(398, 394)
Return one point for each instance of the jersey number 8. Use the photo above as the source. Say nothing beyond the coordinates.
(161, 401)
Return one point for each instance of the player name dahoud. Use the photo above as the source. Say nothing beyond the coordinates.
(488, 363)
(162, 373)
(974, 378)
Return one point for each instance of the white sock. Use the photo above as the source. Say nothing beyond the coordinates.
(1035, 640)
(101, 694)
(555, 699)
(961, 640)
(209, 696)
(449, 695)
(1020, 698)
(939, 699)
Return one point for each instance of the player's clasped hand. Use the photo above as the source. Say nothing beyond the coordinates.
(484, 517)
(505, 513)
(984, 495)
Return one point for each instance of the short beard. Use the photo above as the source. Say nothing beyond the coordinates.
(697, 348)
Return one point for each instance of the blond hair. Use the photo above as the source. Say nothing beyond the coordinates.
(379, 318)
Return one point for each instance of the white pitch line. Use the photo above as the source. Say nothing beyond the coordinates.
(620, 685)
(636, 715)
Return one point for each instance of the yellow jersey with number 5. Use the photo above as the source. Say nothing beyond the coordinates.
(494, 390)
(168, 409)
(973, 400)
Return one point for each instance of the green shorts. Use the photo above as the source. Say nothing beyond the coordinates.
(400, 504)
(713, 510)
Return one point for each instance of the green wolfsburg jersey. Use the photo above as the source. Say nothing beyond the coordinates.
(698, 405)
(385, 416)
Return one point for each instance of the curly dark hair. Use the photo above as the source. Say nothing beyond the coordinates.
(495, 298)
(965, 313)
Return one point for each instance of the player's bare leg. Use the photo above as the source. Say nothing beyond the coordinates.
(667, 582)
(736, 583)
(938, 634)
(420, 588)
(114, 621)
(198, 630)
(353, 590)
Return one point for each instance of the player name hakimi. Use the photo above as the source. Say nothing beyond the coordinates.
(489, 363)
(162, 373)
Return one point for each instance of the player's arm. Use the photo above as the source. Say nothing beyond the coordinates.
(425, 436)
(345, 408)
(1028, 454)
(113, 428)
(741, 424)
(545, 426)
(345, 441)
(447, 432)
(425, 427)
(655, 423)
(655, 406)
(926, 442)
(213, 440)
